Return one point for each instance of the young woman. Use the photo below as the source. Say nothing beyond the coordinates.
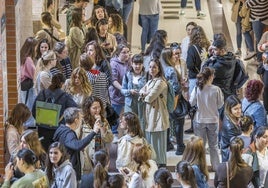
(256, 156)
(144, 174)
(195, 155)
(129, 122)
(240, 173)
(98, 13)
(246, 128)
(133, 81)
(25, 161)
(78, 86)
(59, 169)
(30, 140)
(42, 47)
(117, 181)
(154, 94)
(230, 125)
(95, 52)
(93, 111)
(115, 24)
(185, 175)
(162, 179)
(43, 76)
(75, 39)
(14, 128)
(209, 99)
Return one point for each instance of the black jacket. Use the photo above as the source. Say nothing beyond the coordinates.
(67, 136)
(224, 72)
(193, 61)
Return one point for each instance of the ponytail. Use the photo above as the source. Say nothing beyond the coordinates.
(100, 175)
(186, 173)
(204, 76)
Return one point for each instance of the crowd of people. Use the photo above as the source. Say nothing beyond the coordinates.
(93, 70)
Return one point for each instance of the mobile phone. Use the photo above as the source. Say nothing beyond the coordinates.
(126, 171)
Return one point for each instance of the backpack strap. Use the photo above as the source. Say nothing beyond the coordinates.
(51, 35)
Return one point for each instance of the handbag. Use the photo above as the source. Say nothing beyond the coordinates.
(111, 114)
(26, 84)
(182, 108)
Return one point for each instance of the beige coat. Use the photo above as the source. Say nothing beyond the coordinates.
(235, 10)
(157, 117)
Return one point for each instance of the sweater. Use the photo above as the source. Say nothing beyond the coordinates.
(149, 7)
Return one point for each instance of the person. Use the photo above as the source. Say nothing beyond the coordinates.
(98, 13)
(132, 82)
(63, 61)
(144, 174)
(114, 7)
(91, 34)
(251, 104)
(129, 122)
(25, 161)
(75, 39)
(65, 134)
(30, 140)
(149, 15)
(172, 76)
(41, 47)
(154, 94)
(43, 76)
(98, 80)
(247, 129)
(115, 24)
(240, 173)
(185, 174)
(230, 125)
(59, 169)
(27, 70)
(256, 156)
(200, 14)
(117, 181)
(93, 112)
(163, 178)
(119, 65)
(99, 177)
(78, 86)
(107, 40)
(54, 92)
(195, 155)
(48, 31)
(208, 99)
(100, 63)
(14, 128)
(127, 8)
(156, 45)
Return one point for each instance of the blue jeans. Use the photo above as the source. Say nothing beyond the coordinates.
(196, 2)
(258, 27)
(127, 8)
(149, 26)
(248, 38)
(31, 97)
(117, 108)
(192, 84)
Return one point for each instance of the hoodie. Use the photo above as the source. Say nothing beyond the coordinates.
(64, 176)
(68, 137)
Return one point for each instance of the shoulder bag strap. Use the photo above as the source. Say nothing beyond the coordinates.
(198, 52)
(248, 106)
(51, 35)
(228, 176)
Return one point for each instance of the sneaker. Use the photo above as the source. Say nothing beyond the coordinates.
(182, 12)
(189, 131)
(201, 15)
(249, 55)
(238, 53)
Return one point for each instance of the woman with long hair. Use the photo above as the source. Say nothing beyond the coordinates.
(209, 99)
(185, 174)
(230, 125)
(154, 94)
(163, 178)
(93, 111)
(195, 154)
(98, 13)
(14, 128)
(41, 48)
(78, 86)
(247, 129)
(59, 169)
(240, 173)
(115, 24)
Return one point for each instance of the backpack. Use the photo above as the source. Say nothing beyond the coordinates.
(240, 75)
(170, 97)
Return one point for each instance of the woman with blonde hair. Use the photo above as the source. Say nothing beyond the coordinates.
(115, 24)
(78, 86)
(195, 154)
(43, 75)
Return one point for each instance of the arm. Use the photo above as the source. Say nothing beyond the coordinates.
(13, 141)
(220, 98)
(157, 89)
(76, 36)
(115, 76)
(172, 77)
(73, 143)
(70, 178)
(263, 42)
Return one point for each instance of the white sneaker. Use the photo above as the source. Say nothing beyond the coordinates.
(182, 12)
(201, 14)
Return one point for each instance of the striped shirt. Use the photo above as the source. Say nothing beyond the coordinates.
(258, 9)
(64, 67)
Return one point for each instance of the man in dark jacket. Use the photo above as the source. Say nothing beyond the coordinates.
(66, 135)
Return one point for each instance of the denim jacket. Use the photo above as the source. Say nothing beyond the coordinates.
(127, 85)
(172, 77)
(200, 177)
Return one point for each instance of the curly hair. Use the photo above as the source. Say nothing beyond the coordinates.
(117, 24)
(253, 90)
(198, 37)
(87, 103)
(133, 124)
(85, 84)
(94, 18)
(99, 52)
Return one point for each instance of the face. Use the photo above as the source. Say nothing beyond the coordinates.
(110, 22)
(43, 48)
(263, 141)
(84, 5)
(95, 108)
(124, 55)
(153, 69)
(91, 51)
(189, 29)
(103, 29)
(99, 13)
(176, 54)
(137, 67)
(77, 80)
(19, 164)
(54, 61)
(55, 155)
(217, 51)
(23, 143)
(123, 123)
(64, 53)
(236, 111)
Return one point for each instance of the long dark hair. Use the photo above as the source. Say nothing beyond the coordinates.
(157, 43)
(133, 124)
(204, 76)
(27, 49)
(186, 173)
(57, 81)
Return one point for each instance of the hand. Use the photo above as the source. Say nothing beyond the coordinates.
(97, 126)
(134, 92)
(9, 171)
